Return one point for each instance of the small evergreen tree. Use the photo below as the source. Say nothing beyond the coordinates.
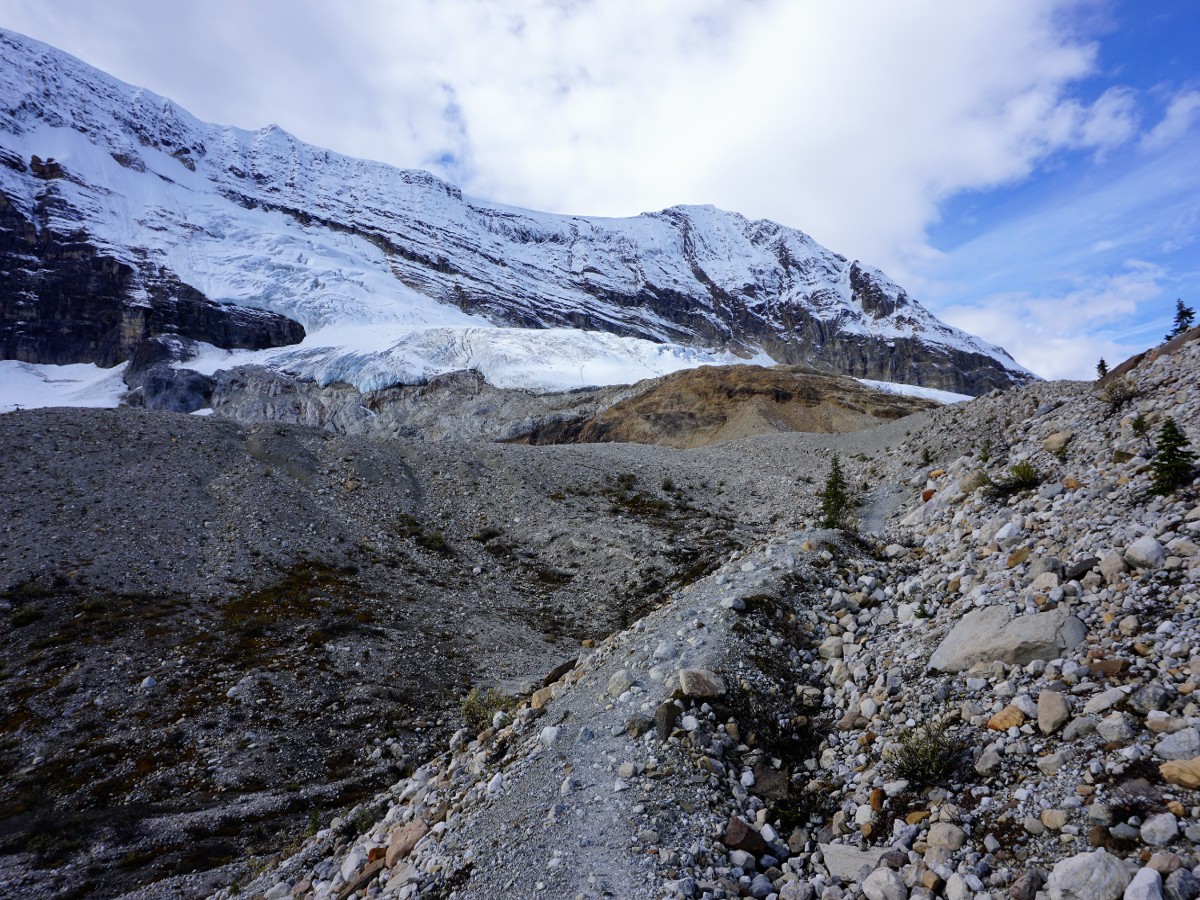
(1185, 317)
(1172, 463)
(835, 498)
(1101, 368)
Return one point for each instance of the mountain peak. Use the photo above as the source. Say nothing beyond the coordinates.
(263, 220)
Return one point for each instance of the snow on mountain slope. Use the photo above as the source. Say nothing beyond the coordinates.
(28, 386)
(375, 356)
(262, 220)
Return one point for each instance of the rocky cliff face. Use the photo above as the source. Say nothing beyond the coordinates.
(150, 195)
(64, 301)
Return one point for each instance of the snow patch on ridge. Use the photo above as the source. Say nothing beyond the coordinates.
(913, 390)
(28, 386)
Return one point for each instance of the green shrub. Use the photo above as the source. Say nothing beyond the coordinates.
(1119, 392)
(1023, 476)
(928, 754)
(478, 707)
(26, 614)
(433, 540)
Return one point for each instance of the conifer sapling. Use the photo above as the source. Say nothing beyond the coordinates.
(1185, 317)
(835, 498)
(1172, 464)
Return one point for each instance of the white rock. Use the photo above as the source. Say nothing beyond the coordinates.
(1183, 744)
(1009, 535)
(1088, 876)
(355, 860)
(1146, 885)
(944, 834)
(1103, 701)
(1145, 553)
(1160, 830)
(844, 862)
(1116, 728)
(884, 884)
(993, 634)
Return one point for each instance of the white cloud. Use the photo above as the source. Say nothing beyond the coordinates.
(1182, 113)
(851, 121)
(1064, 335)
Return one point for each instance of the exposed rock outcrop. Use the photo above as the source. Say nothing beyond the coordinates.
(692, 408)
(66, 302)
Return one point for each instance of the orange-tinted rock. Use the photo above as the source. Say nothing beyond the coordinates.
(1183, 772)
(403, 840)
(1009, 717)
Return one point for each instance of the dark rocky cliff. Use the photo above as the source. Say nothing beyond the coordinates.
(62, 301)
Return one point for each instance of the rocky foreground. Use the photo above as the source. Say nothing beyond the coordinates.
(988, 695)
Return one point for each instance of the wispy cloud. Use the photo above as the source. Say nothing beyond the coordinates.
(1183, 112)
(1064, 335)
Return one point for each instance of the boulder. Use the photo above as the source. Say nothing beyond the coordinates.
(1088, 876)
(740, 836)
(1078, 569)
(1182, 885)
(1184, 744)
(1058, 441)
(1147, 884)
(1112, 567)
(665, 717)
(1009, 535)
(1160, 830)
(944, 834)
(845, 862)
(403, 839)
(884, 884)
(701, 683)
(1053, 711)
(620, 682)
(1183, 772)
(1145, 553)
(993, 634)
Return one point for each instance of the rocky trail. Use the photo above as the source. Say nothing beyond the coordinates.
(986, 692)
(747, 737)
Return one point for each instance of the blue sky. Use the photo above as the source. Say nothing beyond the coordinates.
(1086, 255)
(1029, 169)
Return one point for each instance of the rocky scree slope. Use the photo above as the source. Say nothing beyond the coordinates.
(115, 190)
(746, 738)
(213, 635)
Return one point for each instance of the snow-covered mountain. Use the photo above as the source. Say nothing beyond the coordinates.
(122, 216)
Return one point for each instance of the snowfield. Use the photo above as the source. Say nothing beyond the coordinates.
(28, 386)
